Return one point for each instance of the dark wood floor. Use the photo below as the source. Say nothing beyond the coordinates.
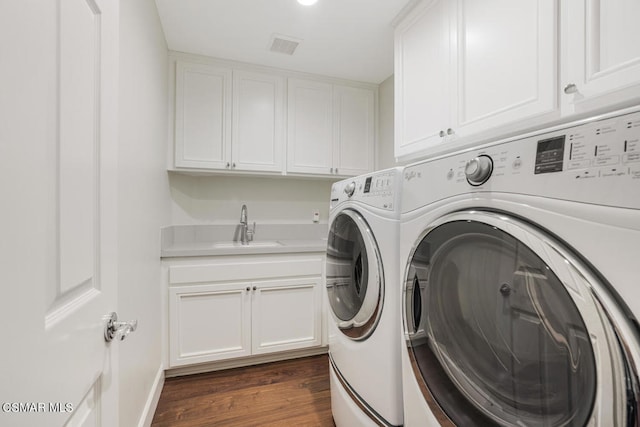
(288, 393)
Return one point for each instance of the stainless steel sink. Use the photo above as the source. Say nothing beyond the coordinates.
(253, 244)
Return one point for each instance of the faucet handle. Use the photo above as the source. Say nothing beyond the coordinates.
(251, 231)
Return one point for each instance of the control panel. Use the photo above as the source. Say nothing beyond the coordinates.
(379, 189)
(596, 161)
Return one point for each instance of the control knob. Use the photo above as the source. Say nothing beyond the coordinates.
(350, 189)
(478, 170)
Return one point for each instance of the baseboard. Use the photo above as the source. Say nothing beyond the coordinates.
(152, 400)
(244, 361)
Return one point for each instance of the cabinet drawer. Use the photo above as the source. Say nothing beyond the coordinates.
(227, 271)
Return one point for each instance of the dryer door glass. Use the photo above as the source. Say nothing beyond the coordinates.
(496, 336)
(354, 275)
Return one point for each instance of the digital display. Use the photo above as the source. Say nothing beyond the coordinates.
(550, 155)
(367, 185)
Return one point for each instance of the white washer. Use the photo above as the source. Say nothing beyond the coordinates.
(521, 280)
(364, 300)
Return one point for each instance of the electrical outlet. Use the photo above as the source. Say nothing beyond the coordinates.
(316, 216)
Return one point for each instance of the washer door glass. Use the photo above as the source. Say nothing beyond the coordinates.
(497, 338)
(354, 279)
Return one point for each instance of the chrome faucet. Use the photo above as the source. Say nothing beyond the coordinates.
(247, 233)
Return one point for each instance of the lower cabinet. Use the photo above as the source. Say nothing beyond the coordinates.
(212, 318)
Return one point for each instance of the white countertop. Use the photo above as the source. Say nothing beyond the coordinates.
(220, 240)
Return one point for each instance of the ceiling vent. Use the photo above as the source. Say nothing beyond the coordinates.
(284, 44)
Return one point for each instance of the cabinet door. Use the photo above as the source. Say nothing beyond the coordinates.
(209, 322)
(354, 126)
(258, 127)
(505, 62)
(310, 127)
(203, 116)
(287, 315)
(423, 85)
(601, 54)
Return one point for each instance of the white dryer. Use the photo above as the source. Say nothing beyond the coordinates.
(363, 289)
(521, 280)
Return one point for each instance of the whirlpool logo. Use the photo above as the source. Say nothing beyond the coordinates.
(409, 175)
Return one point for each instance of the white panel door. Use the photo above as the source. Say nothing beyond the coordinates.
(310, 127)
(203, 116)
(354, 130)
(505, 62)
(258, 126)
(601, 53)
(58, 161)
(209, 322)
(286, 315)
(423, 79)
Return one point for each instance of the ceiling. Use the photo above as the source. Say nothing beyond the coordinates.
(350, 39)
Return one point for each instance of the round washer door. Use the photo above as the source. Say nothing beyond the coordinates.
(505, 327)
(354, 275)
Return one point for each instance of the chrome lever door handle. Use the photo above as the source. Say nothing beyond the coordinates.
(115, 329)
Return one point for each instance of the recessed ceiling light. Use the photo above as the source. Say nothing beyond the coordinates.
(307, 2)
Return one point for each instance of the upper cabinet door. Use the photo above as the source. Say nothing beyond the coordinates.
(354, 126)
(602, 54)
(423, 78)
(468, 68)
(203, 116)
(310, 127)
(258, 108)
(505, 62)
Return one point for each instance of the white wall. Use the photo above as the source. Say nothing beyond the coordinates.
(143, 204)
(385, 157)
(218, 199)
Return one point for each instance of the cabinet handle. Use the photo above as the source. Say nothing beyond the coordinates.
(570, 88)
(331, 170)
(248, 288)
(450, 131)
(227, 165)
(233, 165)
(441, 134)
(255, 287)
(336, 170)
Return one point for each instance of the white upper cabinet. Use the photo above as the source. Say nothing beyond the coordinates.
(258, 128)
(225, 123)
(354, 126)
(468, 71)
(331, 128)
(464, 67)
(310, 127)
(601, 53)
(423, 90)
(254, 120)
(506, 62)
(203, 116)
